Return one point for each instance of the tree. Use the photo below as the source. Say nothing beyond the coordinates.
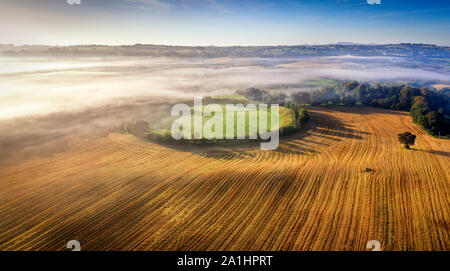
(350, 85)
(435, 122)
(419, 110)
(277, 98)
(254, 94)
(360, 92)
(348, 100)
(407, 139)
(325, 95)
(406, 98)
(302, 97)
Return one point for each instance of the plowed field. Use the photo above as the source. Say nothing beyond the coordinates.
(313, 193)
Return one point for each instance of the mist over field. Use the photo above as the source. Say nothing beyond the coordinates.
(351, 154)
(47, 100)
(33, 86)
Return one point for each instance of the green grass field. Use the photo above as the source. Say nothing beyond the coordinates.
(285, 119)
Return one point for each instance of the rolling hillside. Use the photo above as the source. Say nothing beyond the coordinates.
(313, 193)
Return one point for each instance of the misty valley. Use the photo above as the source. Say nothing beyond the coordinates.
(88, 153)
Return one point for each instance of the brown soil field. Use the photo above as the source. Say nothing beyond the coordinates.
(313, 193)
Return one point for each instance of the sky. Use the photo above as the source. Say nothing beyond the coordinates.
(223, 22)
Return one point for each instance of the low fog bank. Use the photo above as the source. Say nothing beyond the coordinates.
(43, 136)
(45, 101)
(39, 86)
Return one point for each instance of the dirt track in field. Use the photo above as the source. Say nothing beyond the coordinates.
(121, 193)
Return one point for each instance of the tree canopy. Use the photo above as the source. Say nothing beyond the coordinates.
(429, 108)
(407, 139)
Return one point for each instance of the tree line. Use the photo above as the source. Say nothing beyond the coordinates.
(430, 109)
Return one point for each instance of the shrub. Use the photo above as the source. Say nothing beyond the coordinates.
(407, 139)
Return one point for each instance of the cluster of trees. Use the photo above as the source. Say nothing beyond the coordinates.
(300, 113)
(430, 109)
(165, 137)
(261, 95)
(436, 122)
(407, 139)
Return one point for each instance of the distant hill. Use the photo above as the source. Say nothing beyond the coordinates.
(353, 43)
(416, 51)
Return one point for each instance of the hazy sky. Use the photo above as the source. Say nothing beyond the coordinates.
(223, 22)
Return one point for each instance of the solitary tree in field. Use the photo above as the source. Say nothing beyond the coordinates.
(407, 139)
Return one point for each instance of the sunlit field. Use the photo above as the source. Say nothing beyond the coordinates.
(75, 167)
(120, 192)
